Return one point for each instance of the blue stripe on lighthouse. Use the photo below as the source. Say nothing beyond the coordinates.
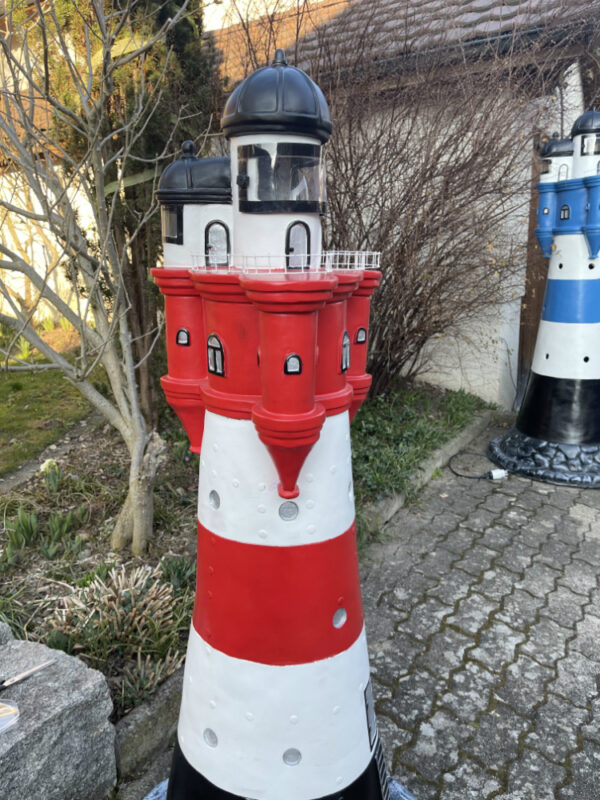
(572, 301)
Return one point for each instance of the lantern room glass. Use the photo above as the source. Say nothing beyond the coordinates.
(281, 176)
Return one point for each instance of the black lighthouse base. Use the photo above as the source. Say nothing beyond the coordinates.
(552, 462)
(186, 783)
(557, 434)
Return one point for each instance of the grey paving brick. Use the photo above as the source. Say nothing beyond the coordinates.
(579, 577)
(459, 540)
(392, 736)
(555, 553)
(410, 591)
(425, 618)
(469, 691)
(591, 729)
(495, 742)
(420, 788)
(442, 524)
(436, 749)
(497, 537)
(469, 781)
(564, 607)
(569, 530)
(588, 637)
(546, 642)
(556, 723)
(497, 646)
(472, 613)
(480, 520)
(577, 679)
(539, 579)
(563, 496)
(589, 551)
(452, 587)
(514, 517)
(413, 698)
(497, 502)
(536, 533)
(525, 684)
(533, 777)
(394, 657)
(477, 560)
(517, 557)
(531, 500)
(520, 609)
(445, 652)
(496, 583)
(437, 563)
(585, 767)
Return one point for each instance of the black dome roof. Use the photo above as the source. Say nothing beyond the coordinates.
(587, 123)
(195, 180)
(557, 147)
(278, 98)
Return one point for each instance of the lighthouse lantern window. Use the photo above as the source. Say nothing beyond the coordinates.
(590, 144)
(546, 165)
(172, 223)
(216, 244)
(345, 351)
(216, 361)
(281, 177)
(293, 365)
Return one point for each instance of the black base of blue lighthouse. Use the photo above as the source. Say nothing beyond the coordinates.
(185, 783)
(556, 438)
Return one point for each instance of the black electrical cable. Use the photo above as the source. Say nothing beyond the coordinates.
(491, 475)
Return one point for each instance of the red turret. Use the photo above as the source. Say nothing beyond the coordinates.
(287, 418)
(359, 308)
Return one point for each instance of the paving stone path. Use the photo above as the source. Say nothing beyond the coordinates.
(482, 608)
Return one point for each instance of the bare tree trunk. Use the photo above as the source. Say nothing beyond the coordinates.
(134, 523)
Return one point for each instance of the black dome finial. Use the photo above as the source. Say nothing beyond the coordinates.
(188, 149)
(279, 60)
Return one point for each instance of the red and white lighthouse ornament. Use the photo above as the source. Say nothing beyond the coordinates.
(277, 699)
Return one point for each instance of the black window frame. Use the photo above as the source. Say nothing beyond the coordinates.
(213, 349)
(286, 371)
(222, 224)
(345, 363)
(565, 212)
(176, 208)
(289, 252)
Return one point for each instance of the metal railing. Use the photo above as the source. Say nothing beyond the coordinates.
(325, 261)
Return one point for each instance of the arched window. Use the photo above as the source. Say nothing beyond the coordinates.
(216, 359)
(345, 351)
(172, 223)
(297, 246)
(563, 172)
(183, 337)
(293, 364)
(565, 212)
(216, 244)
(361, 336)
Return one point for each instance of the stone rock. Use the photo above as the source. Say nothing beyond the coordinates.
(6, 635)
(148, 728)
(63, 745)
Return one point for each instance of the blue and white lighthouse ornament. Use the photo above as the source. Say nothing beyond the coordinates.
(557, 433)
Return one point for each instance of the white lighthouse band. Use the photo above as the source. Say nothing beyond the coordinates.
(557, 433)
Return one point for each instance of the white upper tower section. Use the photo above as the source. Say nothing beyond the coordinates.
(277, 121)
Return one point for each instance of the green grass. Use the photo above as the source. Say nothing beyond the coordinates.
(36, 409)
(394, 433)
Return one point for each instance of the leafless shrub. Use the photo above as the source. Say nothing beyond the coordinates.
(430, 159)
